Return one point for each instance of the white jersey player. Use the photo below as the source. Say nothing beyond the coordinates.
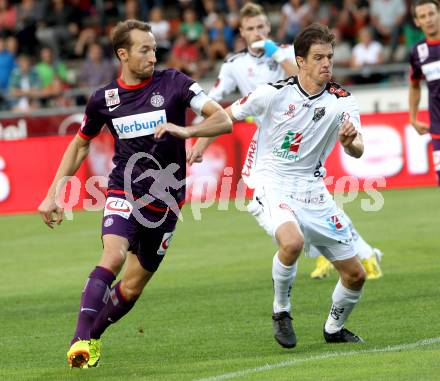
(260, 65)
(300, 119)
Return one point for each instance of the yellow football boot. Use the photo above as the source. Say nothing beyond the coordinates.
(323, 268)
(79, 354)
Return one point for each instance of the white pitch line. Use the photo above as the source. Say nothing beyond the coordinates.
(283, 364)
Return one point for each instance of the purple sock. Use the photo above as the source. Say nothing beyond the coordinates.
(115, 308)
(93, 299)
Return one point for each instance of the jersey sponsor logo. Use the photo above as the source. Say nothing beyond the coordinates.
(423, 51)
(291, 112)
(338, 91)
(290, 146)
(133, 126)
(118, 206)
(431, 71)
(157, 100)
(112, 97)
(166, 240)
(307, 105)
(113, 108)
(334, 223)
(318, 113)
(250, 158)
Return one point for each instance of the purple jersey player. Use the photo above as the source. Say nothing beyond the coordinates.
(144, 110)
(425, 64)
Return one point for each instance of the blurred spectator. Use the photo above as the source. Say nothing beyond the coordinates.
(342, 51)
(131, 9)
(387, 17)
(185, 56)
(191, 27)
(50, 68)
(53, 77)
(352, 17)
(86, 37)
(29, 12)
(24, 85)
(316, 12)
(365, 54)
(8, 16)
(293, 18)
(161, 30)
(7, 65)
(221, 40)
(96, 70)
(59, 27)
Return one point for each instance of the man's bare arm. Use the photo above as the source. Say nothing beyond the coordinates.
(74, 155)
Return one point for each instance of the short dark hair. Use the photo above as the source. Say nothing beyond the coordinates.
(121, 33)
(417, 3)
(313, 34)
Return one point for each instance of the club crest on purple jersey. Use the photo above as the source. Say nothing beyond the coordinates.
(157, 100)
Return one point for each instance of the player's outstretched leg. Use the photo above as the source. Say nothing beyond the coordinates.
(290, 240)
(322, 269)
(345, 298)
(283, 277)
(93, 300)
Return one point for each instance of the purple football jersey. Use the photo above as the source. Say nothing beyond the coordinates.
(132, 113)
(425, 64)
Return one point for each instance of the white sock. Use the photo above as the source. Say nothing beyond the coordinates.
(363, 249)
(283, 277)
(344, 301)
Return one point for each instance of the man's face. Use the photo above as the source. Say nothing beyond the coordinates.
(427, 18)
(254, 29)
(318, 65)
(141, 57)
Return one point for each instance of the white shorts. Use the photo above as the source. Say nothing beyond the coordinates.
(322, 223)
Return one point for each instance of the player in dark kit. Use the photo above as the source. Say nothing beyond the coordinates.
(425, 64)
(144, 111)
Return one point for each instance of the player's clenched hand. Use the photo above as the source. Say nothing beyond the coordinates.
(421, 127)
(172, 129)
(50, 212)
(347, 133)
(194, 155)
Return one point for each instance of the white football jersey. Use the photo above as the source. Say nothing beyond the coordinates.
(296, 131)
(246, 71)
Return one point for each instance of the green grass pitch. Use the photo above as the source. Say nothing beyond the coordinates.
(206, 315)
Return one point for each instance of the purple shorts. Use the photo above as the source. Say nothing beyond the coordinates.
(148, 232)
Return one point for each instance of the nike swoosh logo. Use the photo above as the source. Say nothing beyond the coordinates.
(113, 108)
(87, 309)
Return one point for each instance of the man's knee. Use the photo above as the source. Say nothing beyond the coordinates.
(114, 254)
(292, 247)
(356, 277)
(131, 291)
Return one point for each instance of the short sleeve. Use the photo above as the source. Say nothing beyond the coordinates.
(253, 104)
(92, 121)
(416, 73)
(225, 83)
(350, 112)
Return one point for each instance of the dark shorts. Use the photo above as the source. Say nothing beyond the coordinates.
(148, 232)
